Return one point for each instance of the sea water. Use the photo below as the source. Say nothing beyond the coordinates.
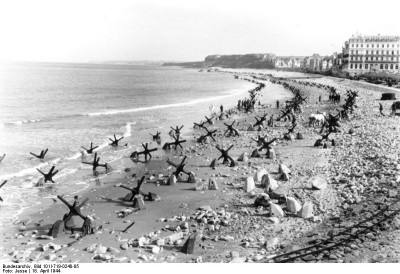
(62, 107)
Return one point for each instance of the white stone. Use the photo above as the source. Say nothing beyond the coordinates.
(172, 180)
(318, 183)
(285, 176)
(272, 242)
(249, 186)
(293, 205)
(212, 184)
(268, 180)
(259, 174)
(308, 210)
(283, 168)
(174, 237)
(275, 210)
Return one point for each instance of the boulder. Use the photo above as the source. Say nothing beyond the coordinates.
(272, 154)
(214, 163)
(293, 205)
(318, 183)
(138, 202)
(255, 154)
(172, 180)
(250, 128)
(285, 176)
(190, 244)
(275, 210)
(268, 182)
(249, 185)
(174, 237)
(199, 185)
(299, 136)
(307, 210)
(262, 200)
(259, 174)
(280, 193)
(283, 168)
(192, 177)
(212, 184)
(243, 157)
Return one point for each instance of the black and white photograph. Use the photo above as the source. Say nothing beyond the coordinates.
(207, 132)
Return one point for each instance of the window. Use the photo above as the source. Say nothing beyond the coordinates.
(381, 66)
(366, 66)
(356, 45)
(397, 66)
(387, 52)
(351, 58)
(372, 45)
(386, 66)
(361, 45)
(352, 52)
(366, 58)
(381, 58)
(387, 45)
(367, 51)
(367, 45)
(392, 52)
(383, 45)
(351, 66)
(391, 66)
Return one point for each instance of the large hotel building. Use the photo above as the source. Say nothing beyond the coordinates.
(362, 54)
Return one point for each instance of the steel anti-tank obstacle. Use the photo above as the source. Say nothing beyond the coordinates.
(48, 176)
(41, 155)
(115, 142)
(91, 149)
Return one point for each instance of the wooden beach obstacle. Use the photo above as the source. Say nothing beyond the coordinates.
(179, 168)
(227, 160)
(133, 190)
(96, 164)
(91, 149)
(2, 184)
(67, 223)
(176, 143)
(115, 142)
(135, 154)
(210, 134)
(2, 158)
(47, 176)
(41, 155)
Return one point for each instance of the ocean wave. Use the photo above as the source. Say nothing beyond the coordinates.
(28, 171)
(192, 102)
(21, 122)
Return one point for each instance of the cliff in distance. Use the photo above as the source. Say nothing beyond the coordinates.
(232, 61)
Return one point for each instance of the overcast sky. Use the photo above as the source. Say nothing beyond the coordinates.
(83, 30)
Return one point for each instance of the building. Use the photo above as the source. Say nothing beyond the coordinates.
(373, 53)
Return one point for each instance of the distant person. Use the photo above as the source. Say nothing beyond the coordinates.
(277, 104)
(221, 108)
(320, 98)
(381, 109)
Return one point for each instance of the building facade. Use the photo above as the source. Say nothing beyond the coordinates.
(376, 53)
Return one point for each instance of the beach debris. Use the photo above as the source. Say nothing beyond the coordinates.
(214, 163)
(135, 154)
(224, 155)
(115, 142)
(2, 157)
(289, 135)
(210, 134)
(95, 164)
(41, 155)
(176, 143)
(190, 244)
(48, 176)
(179, 168)
(255, 154)
(192, 177)
(231, 130)
(269, 183)
(2, 184)
(176, 131)
(91, 149)
(68, 223)
(134, 190)
(259, 174)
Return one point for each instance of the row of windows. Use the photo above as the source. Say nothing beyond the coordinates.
(374, 58)
(366, 66)
(376, 52)
(377, 45)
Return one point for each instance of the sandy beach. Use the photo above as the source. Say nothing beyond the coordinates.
(361, 174)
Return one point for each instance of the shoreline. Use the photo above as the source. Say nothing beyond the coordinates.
(299, 155)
